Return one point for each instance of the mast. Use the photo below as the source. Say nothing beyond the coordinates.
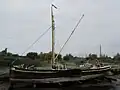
(53, 34)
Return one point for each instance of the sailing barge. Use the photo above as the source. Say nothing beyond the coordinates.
(16, 72)
(58, 73)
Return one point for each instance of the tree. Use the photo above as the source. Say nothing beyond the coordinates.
(32, 55)
(71, 56)
(59, 57)
(66, 57)
(15, 55)
(92, 56)
(4, 52)
(41, 56)
(117, 57)
(9, 54)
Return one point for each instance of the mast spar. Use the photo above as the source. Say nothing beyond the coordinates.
(53, 34)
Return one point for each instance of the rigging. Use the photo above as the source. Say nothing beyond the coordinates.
(69, 36)
(36, 40)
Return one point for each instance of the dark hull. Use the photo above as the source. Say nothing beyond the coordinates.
(60, 77)
(41, 74)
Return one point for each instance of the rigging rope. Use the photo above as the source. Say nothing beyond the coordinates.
(31, 45)
(36, 40)
(69, 36)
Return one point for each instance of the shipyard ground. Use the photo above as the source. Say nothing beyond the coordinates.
(85, 86)
(100, 82)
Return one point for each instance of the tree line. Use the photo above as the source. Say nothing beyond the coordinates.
(48, 56)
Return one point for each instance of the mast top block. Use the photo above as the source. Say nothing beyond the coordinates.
(54, 6)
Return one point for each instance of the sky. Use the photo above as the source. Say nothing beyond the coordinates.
(22, 21)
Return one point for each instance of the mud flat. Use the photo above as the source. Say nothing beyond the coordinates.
(4, 85)
(107, 86)
(94, 84)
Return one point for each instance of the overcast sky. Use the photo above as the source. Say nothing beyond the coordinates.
(22, 21)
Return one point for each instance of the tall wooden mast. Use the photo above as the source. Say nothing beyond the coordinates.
(53, 34)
